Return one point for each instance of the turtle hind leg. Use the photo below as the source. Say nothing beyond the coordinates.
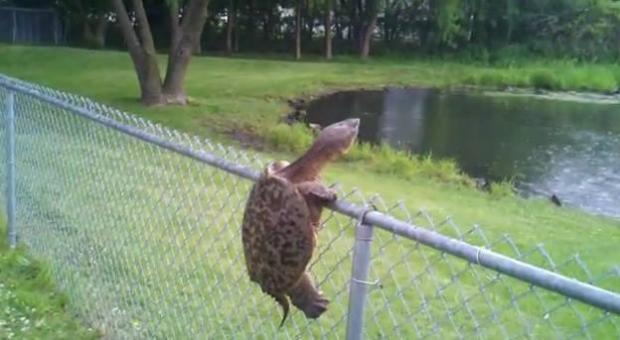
(283, 301)
(307, 298)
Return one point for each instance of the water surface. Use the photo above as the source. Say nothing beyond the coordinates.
(567, 148)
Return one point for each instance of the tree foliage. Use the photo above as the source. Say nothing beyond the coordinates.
(480, 29)
(581, 29)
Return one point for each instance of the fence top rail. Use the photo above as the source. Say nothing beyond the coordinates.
(572, 288)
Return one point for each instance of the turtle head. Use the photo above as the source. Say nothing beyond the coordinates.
(335, 140)
(275, 166)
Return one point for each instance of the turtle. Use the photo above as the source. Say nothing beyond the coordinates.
(281, 218)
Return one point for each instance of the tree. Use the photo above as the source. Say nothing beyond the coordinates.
(93, 18)
(185, 29)
(328, 29)
(367, 26)
(298, 10)
(231, 16)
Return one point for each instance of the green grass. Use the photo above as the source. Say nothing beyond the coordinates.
(165, 228)
(30, 307)
(246, 96)
(249, 93)
(382, 159)
(154, 248)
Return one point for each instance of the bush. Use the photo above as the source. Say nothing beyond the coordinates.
(296, 138)
(493, 79)
(386, 159)
(381, 158)
(544, 80)
(511, 55)
(502, 189)
(616, 76)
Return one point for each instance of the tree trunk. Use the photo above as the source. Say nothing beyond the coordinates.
(175, 28)
(355, 24)
(298, 30)
(251, 27)
(174, 91)
(366, 38)
(338, 26)
(236, 36)
(268, 27)
(87, 33)
(386, 27)
(328, 29)
(371, 13)
(184, 38)
(101, 26)
(149, 79)
(197, 48)
(142, 54)
(93, 31)
(307, 23)
(181, 52)
(230, 24)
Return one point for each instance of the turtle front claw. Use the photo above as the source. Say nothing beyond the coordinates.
(331, 196)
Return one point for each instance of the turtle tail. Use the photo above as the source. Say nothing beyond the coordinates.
(307, 298)
(283, 301)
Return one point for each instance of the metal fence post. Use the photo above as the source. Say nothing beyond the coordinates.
(10, 169)
(359, 283)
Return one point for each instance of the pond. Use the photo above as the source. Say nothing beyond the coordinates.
(567, 148)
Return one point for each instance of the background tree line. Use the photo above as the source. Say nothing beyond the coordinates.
(476, 29)
(481, 30)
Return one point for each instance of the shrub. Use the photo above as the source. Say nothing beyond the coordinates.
(378, 158)
(493, 79)
(502, 189)
(296, 138)
(544, 80)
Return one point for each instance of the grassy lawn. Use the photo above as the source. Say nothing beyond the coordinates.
(155, 237)
(153, 249)
(229, 93)
(30, 308)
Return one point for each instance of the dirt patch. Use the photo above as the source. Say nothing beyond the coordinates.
(247, 138)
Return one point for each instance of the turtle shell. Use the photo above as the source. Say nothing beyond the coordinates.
(277, 234)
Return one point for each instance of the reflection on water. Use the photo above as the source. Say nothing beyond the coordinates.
(567, 148)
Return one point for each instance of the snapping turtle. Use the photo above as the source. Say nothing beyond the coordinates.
(281, 218)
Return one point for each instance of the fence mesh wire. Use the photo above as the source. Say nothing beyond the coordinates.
(29, 26)
(146, 244)
(423, 293)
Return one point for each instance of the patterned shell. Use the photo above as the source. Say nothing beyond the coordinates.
(278, 238)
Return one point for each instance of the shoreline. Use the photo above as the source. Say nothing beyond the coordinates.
(593, 97)
(301, 103)
(255, 99)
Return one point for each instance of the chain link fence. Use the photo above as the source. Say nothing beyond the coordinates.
(30, 26)
(141, 227)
